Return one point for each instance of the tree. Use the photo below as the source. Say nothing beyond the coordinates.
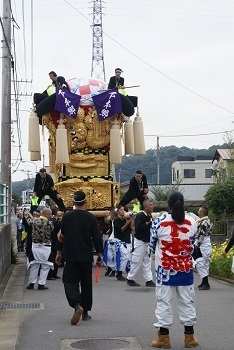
(161, 193)
(16, 199)
(220, 198)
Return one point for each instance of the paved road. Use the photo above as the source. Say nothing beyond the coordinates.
(119, 312)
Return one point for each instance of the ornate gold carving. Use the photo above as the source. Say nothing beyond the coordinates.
(99, 192)
(88, 165)
(88, 134)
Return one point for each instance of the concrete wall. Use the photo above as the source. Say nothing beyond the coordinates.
(5, 249)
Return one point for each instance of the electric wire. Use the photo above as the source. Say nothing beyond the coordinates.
(25, 53)
(152, 67)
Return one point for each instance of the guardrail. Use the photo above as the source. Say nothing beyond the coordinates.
(4, 210)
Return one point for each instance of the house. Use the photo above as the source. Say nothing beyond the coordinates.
(222, 158)
(193, 174)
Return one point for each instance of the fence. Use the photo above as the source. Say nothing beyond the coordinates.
(4, 210)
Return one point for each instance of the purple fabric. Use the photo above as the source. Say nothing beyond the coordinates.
(107, 104)
(67, 102)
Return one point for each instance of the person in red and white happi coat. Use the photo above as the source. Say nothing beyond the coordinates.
(172, 239)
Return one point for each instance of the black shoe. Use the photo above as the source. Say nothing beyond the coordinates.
(51, 278)
(30, 286)
(150, 284)
(108, 271)
(42, 287)
(120, 277)
(200, 285)
(57, 277)
(205, 287)
(133, 283)
(112, 274)
(85, 316)
(77, 314)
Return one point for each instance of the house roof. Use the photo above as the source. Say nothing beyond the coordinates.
(225, 154)
(191, 158)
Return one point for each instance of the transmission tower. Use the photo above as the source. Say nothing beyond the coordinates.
(98, 67)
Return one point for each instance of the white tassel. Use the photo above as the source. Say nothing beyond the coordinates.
(62, 155)
(33, 132)
(115, 144)
(128, 137)
(138, 130)
(34, 156)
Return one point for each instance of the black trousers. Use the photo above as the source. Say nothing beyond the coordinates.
(77, 280)
(128, 197)
(53, 196)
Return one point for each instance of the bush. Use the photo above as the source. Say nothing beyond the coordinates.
(219, 265)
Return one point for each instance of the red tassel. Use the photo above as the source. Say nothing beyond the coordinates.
(97, 274)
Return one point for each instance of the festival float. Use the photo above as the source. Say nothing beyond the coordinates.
(88, 128)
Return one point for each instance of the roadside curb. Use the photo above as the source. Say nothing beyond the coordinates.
(223, 279)
(13, 288)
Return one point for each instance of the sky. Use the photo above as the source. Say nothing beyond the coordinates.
(180, 52)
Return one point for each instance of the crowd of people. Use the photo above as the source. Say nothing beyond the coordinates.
(177, 241)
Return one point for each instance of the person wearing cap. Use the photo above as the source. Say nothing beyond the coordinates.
(79, 232)
(116, 81)
(44, 185)
(138, 188)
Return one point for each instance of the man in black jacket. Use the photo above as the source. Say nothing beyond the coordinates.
(117, 80)
(44, 185)
(140, 254)
(138, 188)
(79, 232)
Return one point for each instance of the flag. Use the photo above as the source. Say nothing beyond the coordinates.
(67, 102)
(107, 104)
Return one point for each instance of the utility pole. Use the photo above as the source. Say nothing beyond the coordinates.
(6, 101)
(158, 180)
(98, 67)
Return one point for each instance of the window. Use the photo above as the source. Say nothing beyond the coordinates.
(173, 174)
(189, 173)
(208, 173)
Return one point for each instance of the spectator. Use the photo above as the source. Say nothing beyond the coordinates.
(202, 247)
(19, 230)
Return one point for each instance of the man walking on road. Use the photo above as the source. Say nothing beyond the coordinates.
(140, 254)
(40, 254)
(79, 232)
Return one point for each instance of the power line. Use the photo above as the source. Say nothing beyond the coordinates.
(154, 68)
(191, 135)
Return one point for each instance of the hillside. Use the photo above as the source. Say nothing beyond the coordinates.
(146, 163)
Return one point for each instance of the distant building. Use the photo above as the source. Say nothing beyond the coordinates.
(192, 170)
(193, 174)
(26, 196)
(222, 158)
